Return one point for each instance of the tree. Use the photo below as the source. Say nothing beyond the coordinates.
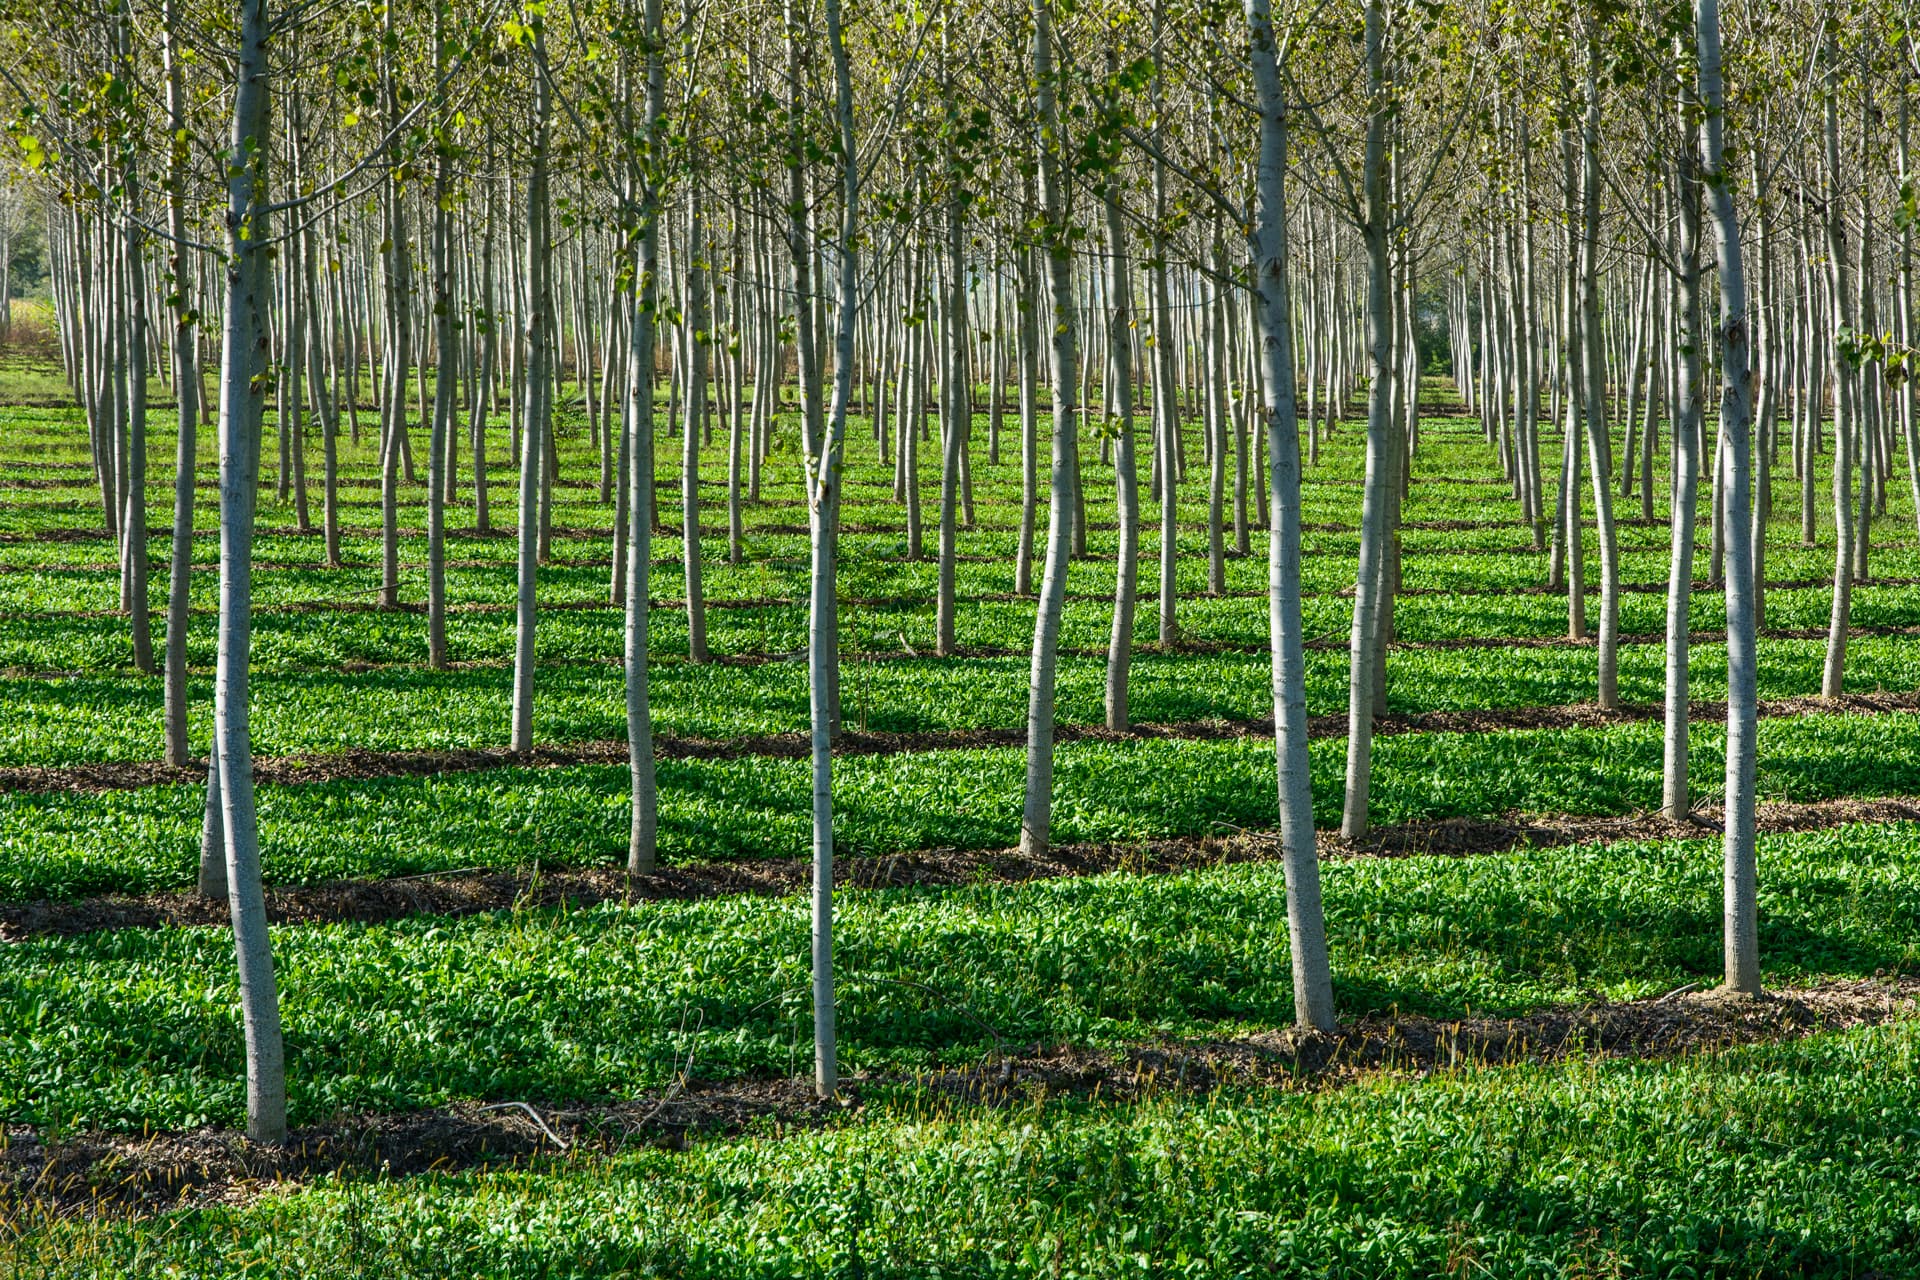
(1056, 239)
(1306, 923)
(1736, 416)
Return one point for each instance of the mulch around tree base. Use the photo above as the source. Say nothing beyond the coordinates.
(113, 1174)
(459, 893)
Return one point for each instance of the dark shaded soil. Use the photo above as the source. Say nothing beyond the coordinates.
(203, 529)
(112, 1174)
(468, 892)
(1691, 1020)
(343, 765)
(362, 603)
(1330, 642)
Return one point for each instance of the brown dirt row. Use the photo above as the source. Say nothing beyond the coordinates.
(1331, 642)
(206, 529)
(460, 893)
(361, 604)
(118, 1175)
(502, 534)
(359, 764)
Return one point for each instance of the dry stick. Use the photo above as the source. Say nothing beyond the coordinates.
(557, 1140)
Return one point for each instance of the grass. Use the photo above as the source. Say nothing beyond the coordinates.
(65, 844)
(71, 719)
(1780, 1161)
(300, 640)
(139, 1027)
(1792, 1160)
(1774, 1160)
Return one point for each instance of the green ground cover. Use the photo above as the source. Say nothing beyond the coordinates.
(63, 844)
(136, 1027)
(1788, 1160)
(1770, 1160)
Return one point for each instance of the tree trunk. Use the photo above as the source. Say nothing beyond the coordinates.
(1844, 387)
(1036, 820)
(694, 407)
(643, 834)
(445, 359)
(1599, 446)
(242, 393)
(133, 524)
(533, 456)
(187, 389)
(823, 512)
(1126, 484)
(1306, 925)
(1675, 795)
(1373, 514)
(1741, 931)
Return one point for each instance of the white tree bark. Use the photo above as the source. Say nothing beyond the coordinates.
(533, 456)
(1675, 796)
(643, 833)
(1741, 928)
(1375, 499)
(823, 509)
(446, 360)
(1036, 820)
(243, 362)
(1125, 479)
(186, 388)
(1833, 673)
(1306, 924)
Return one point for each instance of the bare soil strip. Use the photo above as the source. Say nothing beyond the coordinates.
(1328, 643)
(1526, 550)
(460, 893)
(362, 604)
(98, 533)
(119, 1175)
(358, 765)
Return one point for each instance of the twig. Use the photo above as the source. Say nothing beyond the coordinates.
(673, 1091)
(681, 1076)
(429, 875)
(533, 1115)
(999, 1043)
(1272, 837)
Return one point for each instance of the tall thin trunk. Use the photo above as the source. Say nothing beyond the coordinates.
(243, 365)
(446, 358)
(489, 327)
(694, 407)
(954, 402)
(399, 356)
(533, 456)
(1594, 368)
(643, 834)
(187, 389)
(133, 524)
(823, 521)
(1375, 499)
(1741, 929)
(1675, 797)
(1840, 291)
(1126, 483)
(1036, 820)
(1306, 924)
